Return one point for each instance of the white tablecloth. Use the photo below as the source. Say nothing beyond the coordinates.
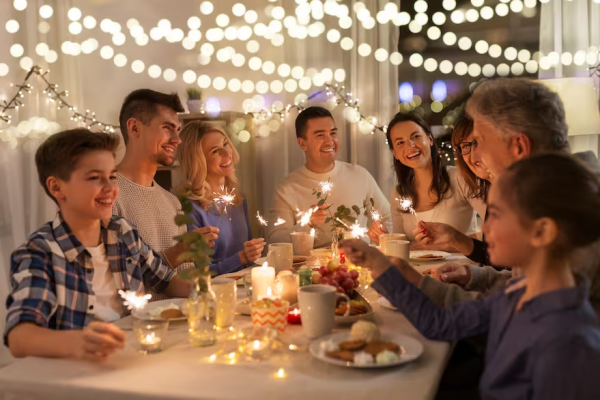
(184, 372)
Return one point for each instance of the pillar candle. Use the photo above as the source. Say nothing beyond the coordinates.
(262, 279)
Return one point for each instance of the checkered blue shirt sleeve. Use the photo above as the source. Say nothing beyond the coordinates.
(33, 298)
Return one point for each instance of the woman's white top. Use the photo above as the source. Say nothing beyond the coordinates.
(456, 209)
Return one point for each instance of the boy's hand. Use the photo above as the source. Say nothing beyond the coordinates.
(98, 341)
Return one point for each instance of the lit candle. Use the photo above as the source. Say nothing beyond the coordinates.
(294, 317)
(150, 343)
(257, 349)
(263, 278)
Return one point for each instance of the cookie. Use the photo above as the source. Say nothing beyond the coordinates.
(352, 345)
(377, 347)
(171, 313)
(344, 355)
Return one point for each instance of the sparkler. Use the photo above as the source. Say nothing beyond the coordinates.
(355, 230)
(305, 216)
(262, 221)
(375, 216)
(132, 300)
(326, 187)
(279, 221)
(225, 199)
(406, 204)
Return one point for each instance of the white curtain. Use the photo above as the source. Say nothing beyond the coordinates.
(374, 83)
(571, 26)
(24, 206)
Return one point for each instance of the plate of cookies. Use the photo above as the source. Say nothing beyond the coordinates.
(428, 256)
(365, 347)
(171, 309)
(359, 309)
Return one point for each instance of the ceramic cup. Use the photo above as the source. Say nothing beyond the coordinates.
(280, 256)
(225, 290)
(398, 248)
(317, 306)
(383, 239)
(302, 243)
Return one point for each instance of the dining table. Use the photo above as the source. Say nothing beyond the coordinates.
(182, 371)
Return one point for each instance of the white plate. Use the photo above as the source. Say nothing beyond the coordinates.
(410, 350)
(385, 303)
(414, 256)
(153, 309)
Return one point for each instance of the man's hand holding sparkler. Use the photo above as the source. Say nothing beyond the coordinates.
(318, 217)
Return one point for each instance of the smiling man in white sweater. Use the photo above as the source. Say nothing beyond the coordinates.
(316, 133)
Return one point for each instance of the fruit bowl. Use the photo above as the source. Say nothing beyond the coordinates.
(338, 276)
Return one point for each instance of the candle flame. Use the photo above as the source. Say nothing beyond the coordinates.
(225, 199)
(281, 373)
(280, 221)
(133, 301)
(296, 311)
(326, 187)
(256, 345)
(269, 292)
(213, 357)
(262, 221)
(265, 265)
(312, 232)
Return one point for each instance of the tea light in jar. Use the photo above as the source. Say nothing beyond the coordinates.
(294, 317)
(257, 349)
(263, 278)
(150, 343)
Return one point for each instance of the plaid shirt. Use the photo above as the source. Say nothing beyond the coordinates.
(51, 286)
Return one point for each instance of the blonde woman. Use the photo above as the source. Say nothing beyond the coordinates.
(207, 160)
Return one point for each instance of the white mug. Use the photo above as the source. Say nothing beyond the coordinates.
(225, 290)
(317, 306)
(302, 243)
(384, 238)
(280, 256)
(398, 248)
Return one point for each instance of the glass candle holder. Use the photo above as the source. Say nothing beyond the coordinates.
(256, 343)
(150, 334)
(294, 316)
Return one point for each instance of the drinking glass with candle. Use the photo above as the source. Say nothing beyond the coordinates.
(384, 238)
(256, 343)
(150, 334)
(294, 316)
(225, 290)
(281, 256)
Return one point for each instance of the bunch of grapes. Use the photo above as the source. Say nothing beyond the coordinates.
(339, 277)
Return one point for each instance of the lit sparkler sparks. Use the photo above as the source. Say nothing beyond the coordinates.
(262, 221)
(355, 230)
(279, 221)
(305, 216)
(326, 187)
(375, 216)
(132, 300)
(226, 198)
(406, 204)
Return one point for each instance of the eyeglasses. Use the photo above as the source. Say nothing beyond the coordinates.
(464, 148)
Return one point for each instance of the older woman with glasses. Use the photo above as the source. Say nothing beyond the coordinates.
(477, 179)
(438, 193)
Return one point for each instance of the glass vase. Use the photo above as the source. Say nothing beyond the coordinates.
(201, 314)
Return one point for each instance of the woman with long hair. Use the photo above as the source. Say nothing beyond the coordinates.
(437, 192)
(207, 158)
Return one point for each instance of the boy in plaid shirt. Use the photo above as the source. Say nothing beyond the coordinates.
(65, 278)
